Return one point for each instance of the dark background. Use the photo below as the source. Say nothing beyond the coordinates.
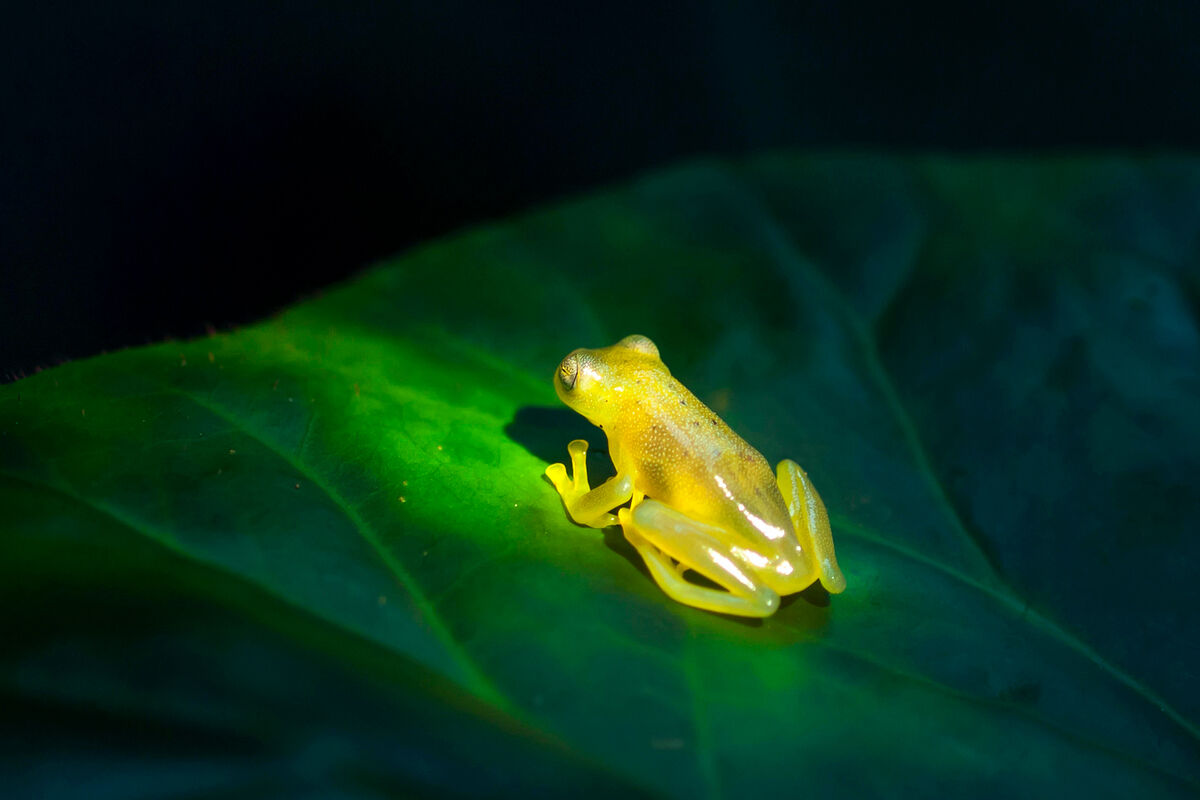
(166, 166)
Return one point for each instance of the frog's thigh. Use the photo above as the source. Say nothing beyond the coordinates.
(588, 506)
(657, 530)
(811, 523)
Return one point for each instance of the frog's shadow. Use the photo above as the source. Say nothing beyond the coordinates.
(544, 432)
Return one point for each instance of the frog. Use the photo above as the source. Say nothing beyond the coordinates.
(691, 496)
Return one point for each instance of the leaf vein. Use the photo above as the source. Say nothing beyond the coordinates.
(786, 251)
(1025, 610)
(958, 694)
(479, 683)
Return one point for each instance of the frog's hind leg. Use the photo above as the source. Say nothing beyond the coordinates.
(660, 534)
(811, 523)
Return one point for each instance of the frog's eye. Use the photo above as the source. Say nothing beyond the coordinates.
(568, 372)
(640, 343)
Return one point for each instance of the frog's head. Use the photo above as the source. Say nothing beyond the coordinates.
(592, 382)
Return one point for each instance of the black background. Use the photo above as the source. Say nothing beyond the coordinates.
(172, 165)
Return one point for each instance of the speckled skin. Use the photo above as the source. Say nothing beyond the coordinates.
(720, 508)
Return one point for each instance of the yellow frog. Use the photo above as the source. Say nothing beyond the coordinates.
(699, 497)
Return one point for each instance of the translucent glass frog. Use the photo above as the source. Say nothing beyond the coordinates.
(700, 498)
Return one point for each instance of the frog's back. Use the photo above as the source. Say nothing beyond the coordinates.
(684, 455)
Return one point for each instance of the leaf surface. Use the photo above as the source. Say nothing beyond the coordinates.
(319, 552)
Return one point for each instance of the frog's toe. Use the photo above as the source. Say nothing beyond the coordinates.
(557, 473)
(831, 577)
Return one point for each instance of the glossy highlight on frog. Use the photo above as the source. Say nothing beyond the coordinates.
(700, 498)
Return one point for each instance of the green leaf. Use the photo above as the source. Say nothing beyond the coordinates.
(318, 555)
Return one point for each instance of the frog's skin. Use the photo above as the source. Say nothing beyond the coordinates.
(700, 498)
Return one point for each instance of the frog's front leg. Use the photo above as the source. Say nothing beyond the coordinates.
(588, 506)
(811, 523)
(659, 531)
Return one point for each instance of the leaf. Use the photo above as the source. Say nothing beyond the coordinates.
(317, 554)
